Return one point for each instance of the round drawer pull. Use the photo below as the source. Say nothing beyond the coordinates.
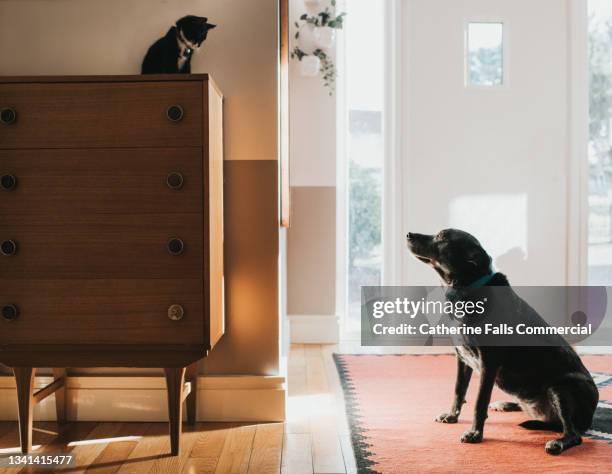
(8, 248)
(176, 246)
(8, 182)
(175, 113)
(10, 312)
(175, 180)
(8, 115)
(176, 312)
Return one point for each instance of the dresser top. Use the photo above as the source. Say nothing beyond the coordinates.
(109, 78)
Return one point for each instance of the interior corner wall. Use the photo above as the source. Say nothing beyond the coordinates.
(90, 37)
(311, 240)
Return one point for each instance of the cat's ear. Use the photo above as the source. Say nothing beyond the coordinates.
(210, 26)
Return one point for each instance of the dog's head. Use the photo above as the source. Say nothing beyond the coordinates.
(457, 256)
(195, 29)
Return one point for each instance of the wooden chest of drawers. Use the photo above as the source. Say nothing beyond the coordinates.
(111, 229)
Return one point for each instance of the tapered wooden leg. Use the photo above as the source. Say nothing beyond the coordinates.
(175, 381)
(192, 398)
(24, 377)
(60, 396)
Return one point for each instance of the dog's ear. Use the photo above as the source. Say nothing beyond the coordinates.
(479, 259)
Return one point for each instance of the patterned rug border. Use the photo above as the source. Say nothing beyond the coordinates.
(358, 439)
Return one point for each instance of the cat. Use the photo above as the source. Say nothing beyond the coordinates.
(172, 53)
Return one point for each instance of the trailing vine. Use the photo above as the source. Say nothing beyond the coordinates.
(325, 18)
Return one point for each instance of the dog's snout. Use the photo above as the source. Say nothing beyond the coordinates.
(410, 236)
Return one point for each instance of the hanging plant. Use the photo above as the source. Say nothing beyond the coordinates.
(323, 25)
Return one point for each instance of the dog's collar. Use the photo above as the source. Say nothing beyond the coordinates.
(453, 294)
(482, 281)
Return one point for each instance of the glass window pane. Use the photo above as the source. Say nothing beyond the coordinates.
(600, 143)
(485, 62)
(365, 67)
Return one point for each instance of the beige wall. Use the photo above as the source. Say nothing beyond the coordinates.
(311, 255)
(62, 37)
(65, 37)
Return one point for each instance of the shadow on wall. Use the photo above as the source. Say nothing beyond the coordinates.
(514, 261)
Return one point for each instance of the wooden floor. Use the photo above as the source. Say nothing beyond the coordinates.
(314, 439)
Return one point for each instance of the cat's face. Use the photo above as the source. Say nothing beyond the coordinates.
(195, 29)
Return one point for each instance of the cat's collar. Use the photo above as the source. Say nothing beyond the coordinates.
(187, 47)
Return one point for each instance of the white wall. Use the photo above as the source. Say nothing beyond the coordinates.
(312, 122)
(492, 162)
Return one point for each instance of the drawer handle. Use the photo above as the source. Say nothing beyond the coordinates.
(175, 113)
(175, 246)
(10, 312)
(8, 182)
(8, 248)
(175, 181)
(176, 312)
(8, 115)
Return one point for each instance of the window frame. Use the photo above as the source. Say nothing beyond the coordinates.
(505, 54)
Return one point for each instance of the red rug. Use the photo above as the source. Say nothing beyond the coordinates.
(392, 402)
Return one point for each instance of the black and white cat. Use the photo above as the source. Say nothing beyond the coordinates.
(172, 53)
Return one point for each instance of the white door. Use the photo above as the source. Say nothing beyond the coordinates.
(485, 130)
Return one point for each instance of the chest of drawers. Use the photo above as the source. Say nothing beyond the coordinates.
(111, 230)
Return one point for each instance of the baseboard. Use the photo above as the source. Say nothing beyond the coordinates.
(314, 329)
(99, 398)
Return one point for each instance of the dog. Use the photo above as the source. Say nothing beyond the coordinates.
(172, 53)
(550, 382)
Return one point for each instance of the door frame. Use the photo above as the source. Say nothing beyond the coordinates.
(578, 145)
(392, 239)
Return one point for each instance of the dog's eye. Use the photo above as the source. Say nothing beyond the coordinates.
(440, 236)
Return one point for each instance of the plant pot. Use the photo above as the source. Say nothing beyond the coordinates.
(307, 39)
(310, 66)
(325, 36)
(312, 4)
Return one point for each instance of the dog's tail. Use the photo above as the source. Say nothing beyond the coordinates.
(541, 425)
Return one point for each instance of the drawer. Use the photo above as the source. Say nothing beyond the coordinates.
(79, 115)
(113, 181)
(101, 312)
(101, 246)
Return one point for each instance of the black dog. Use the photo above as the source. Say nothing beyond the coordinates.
(172, 53)
(550, 382)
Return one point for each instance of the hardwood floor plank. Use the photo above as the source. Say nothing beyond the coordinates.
(326, 449)
(327, 453)
(237, 450)
(175, 464)
(59, 444)
(208, 448)
(9, 444)
(297, 399)
(297, 355)
(110, 460)
(153, 446)
(87, 450)
(348, 454)
(267, 449)
(297, 454)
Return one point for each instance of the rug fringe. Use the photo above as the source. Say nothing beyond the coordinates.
(359, 440)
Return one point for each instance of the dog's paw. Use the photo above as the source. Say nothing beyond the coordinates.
(505, 406)
(471, 436)
(554, 446)
(447, 418)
